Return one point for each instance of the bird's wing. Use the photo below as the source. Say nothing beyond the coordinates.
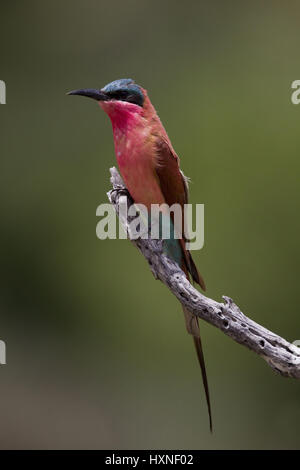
(174, 186)
(170, 177)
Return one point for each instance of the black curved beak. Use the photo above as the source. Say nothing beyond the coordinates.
(90, 93)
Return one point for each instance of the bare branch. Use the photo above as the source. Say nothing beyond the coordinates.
(281, 355)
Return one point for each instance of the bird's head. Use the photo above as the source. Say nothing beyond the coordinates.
(117, 98)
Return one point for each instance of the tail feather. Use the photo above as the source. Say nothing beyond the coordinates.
(192, 327)
(191, 321)
(198, 346)
(190, 267)
(195, 273)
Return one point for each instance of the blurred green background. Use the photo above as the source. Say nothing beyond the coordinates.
(97, 353)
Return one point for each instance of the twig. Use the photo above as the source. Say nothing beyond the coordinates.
(281, 355)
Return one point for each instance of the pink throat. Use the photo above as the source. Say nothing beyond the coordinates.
(123, 115)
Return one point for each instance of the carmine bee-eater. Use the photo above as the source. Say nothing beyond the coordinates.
(150, 169)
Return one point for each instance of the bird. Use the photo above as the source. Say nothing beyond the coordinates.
(151, 172)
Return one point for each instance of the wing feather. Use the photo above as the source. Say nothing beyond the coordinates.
(174, 186)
